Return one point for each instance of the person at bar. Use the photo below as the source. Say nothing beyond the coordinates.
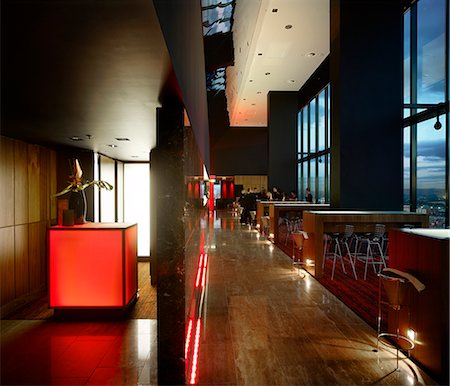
(308, 195)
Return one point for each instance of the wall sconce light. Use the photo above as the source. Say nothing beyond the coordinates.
(437, 125)
(411, 334)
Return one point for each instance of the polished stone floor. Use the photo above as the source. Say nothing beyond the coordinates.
(263, 324)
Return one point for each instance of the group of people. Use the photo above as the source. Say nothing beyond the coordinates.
(248, 200)
(276, 194)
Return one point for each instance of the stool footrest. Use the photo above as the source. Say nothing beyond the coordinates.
(399, 337)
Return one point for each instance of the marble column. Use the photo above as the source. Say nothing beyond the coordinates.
(168, 242)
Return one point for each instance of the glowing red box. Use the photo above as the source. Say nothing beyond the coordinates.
(92, 265)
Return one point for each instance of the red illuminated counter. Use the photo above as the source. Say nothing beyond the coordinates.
(93, 265)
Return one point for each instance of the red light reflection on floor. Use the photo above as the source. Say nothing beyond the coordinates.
(192, 346)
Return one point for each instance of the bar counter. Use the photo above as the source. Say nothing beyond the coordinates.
(92, 265)
(317, 223)
(424, 253)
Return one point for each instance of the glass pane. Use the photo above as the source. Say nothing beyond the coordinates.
(329, 118)
(107, 197)
(137, 203)
(407, 62)
(299, 132)
(305, 132)
(329, 179)
(312, 126)
(299, 181)
(312, 179)
(321, 121)
(321, 180)
(431, 172)
(119, 189)
(304, 180)
(406, 169)
(430, 51)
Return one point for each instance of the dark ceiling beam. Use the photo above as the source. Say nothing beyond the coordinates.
(181, 24)
(219, 51)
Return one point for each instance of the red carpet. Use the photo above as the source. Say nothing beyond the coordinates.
(360, 295)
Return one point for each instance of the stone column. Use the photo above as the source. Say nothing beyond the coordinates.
(366, 59)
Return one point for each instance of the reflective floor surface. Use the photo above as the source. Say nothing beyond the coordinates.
(266, 324)
(78, 353)
(263, 324)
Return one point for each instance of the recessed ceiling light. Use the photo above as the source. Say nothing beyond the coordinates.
(288, 26)
(112, 145)
(267, 73)
(259, 92)
(76, 138)
(122, 139)
(134, 156)
(245, 119)
(244, 99)
(310, 54)
(253, 104)
(275, 10)
(259, 53)
(89, 136)
(291, 81)
(251, 80)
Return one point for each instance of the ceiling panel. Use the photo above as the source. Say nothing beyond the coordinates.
(271, 57)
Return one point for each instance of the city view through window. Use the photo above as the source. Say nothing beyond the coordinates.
(427, 191)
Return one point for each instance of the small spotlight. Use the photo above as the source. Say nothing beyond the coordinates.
(288, 26)
(437, 125)
(76, 138)
(411, 334)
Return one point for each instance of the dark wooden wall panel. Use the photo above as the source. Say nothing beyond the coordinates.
(27, 181)
(52, 187)
(37, 253)
(34, 193)
(20, 183)
(7, 292)
(7, 182)
(44, 172)
(21, 260)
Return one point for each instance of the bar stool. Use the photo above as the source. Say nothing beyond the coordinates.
(375, 246)
(265, 226)
(298, 238)
(396, 285)
(336, 240)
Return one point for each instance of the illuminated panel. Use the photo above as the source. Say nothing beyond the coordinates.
(204, 271)
(85, 268)
(231, 190)
(193, 378)
(130, 262)
(224, 189)
(188, 338)
(197, 190)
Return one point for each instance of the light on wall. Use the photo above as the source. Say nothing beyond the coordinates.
(437, 125)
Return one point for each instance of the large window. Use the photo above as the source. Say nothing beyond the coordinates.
(314, 147)
(426, 98)
(129, 200)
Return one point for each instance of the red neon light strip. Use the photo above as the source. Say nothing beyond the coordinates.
(203, 277)
(201, 260)
(188, 338)
(197, 280)
(193, 379)
(206, 260)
